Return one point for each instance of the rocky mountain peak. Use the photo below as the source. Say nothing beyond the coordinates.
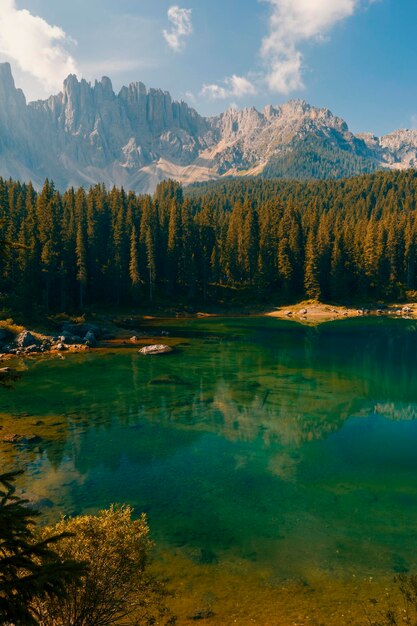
(400, 138)
(9, 94)
(134, 93)
(6, 76)
(297, 105)
(87, 134)
(103, 89)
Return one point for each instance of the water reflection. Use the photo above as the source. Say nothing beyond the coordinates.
(258, 439)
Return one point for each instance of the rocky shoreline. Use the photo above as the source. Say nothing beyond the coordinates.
(16, 342)
(72, 338)
(312, 312)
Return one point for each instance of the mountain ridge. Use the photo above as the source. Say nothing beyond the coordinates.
(89, 134)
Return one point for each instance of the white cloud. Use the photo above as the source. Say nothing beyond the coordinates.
(181, 28)
(190, 97)
(293, 22)
(233, 87)
(106, 66)
(35, 46)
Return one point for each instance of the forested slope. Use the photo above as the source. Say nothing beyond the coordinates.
(277, 240)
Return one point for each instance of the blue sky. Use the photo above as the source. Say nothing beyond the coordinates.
(356, 57)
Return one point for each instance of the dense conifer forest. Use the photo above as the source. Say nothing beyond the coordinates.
(275, 240)
(314, 157)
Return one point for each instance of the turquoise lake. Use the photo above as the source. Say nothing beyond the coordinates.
(264, 441)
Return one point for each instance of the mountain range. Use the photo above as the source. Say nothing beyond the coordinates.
(88, 134)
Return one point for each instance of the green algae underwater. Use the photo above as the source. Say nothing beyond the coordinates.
(271, 458)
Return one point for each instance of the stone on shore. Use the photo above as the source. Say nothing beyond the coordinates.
(155, 349)
(26, 339)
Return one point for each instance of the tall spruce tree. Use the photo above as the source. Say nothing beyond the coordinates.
(311, 276)
(81, 260)
(134, 272)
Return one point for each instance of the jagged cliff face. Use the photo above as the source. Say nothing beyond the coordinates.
(98, 136)
(249, 140)
(398, 149)
(136, 138)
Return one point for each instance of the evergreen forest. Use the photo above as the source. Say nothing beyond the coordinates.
(273, 240)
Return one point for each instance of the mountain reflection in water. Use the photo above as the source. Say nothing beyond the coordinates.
(287, 446)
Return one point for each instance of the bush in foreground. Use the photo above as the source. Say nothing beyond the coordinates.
(117, 587)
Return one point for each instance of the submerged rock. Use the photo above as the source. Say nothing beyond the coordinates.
(44, 503)
(167, 380)
(202, 614)
(155, 349)
(22, 439)
(8, 376)
(208, 557)
(12, 439)
(32, 439)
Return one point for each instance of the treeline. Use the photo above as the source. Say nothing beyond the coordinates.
(278, 240)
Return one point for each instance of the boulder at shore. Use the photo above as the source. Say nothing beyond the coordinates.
(155, 349)
(26, 339)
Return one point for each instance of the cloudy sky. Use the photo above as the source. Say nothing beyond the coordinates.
(357, 57)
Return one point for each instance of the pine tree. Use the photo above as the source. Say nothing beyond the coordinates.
(285, 267)
(372, 255)
(250, 244)
(81, 256)
(338, 286)
(311, 275)
(269, 217)
(173, 254)
(215, 265)
(150, 258)
(29, 569)
(410, 252)
(48, 213)
(204, 224)
(148, 238)
(134, 259)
